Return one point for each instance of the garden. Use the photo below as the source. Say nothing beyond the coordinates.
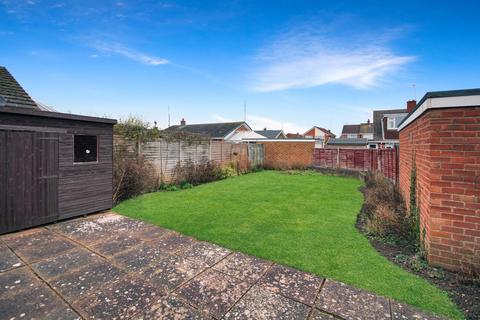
(302, 219)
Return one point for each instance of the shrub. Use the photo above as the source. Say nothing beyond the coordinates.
(185, 185)
(131, 177)
(197, 173)
(386, 215)
(229, 171)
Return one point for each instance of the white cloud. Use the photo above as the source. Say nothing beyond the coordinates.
(221, 119)
(121, 50)
(303, 58)
(258, 123)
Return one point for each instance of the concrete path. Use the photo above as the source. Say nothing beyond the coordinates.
(110, 267)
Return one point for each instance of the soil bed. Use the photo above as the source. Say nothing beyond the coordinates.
(464, 291)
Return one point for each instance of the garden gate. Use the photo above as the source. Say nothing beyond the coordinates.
(255, 155)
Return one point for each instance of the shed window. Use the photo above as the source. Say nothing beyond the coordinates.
(85, 148)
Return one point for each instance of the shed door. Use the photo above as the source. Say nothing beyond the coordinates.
(28, 179)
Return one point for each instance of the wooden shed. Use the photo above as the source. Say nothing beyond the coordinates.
(52, 165)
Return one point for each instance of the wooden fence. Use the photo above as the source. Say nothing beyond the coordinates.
(165, 156)
(384, 161)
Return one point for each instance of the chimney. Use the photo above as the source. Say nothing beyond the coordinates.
(183, 122)
(411, 104)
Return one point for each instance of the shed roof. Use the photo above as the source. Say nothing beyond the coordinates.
(55, 115)
(12, 92)
(213, 130)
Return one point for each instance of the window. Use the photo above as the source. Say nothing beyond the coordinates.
(85, 148)
(352, 136)
(391, 123)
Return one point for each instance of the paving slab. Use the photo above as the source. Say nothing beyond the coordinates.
(319, 315)
(151, 232)
(16, 280)
(65, 263)
(243, 267)
(115, 245)
(352, 303)
(8, 260)
(171, 308)
(37, 244)
(77, 284)
(213, 292)
(260, 303)
(98, 228)
(292, 283)
(171, 271)
(24, 296)
(176, 243)
(404, 312)
(205, 252)
(121, 301)
(142, 257)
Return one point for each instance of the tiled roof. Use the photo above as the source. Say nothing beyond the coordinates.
(269, 134)
(12, 93)
(212, 130)
(294, 136)
(351, 128)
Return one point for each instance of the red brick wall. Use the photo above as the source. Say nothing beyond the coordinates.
(446, 146)
(383, 160)
(285, 155)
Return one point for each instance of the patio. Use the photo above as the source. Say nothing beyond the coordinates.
(107, 266)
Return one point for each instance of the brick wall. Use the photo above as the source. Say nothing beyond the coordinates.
(445, 144)
(284, 154)
(383, 160)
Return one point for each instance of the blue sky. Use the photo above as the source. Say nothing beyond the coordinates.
(294, 63)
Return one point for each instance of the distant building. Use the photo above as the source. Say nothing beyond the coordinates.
(271, 134)
(321, 136)
(223, 131)
(358, 131)
(294, 136)
(386, 126)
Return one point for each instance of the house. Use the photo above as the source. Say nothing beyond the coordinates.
(385, 126)
(347, 143)
(440, 146)
(63, 162)
(271, 134)
(358, 131)
(321, 136)
(222, 131)
(294, 136)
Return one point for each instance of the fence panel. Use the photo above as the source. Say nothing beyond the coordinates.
(383, 160)
(255, 155)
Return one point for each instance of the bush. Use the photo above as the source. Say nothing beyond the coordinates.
(229, 171)
(131, 177)
(197, 173)
(384, 208)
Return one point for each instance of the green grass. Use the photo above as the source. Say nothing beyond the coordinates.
(302, 220)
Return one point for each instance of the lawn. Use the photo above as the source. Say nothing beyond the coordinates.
(304, 220)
